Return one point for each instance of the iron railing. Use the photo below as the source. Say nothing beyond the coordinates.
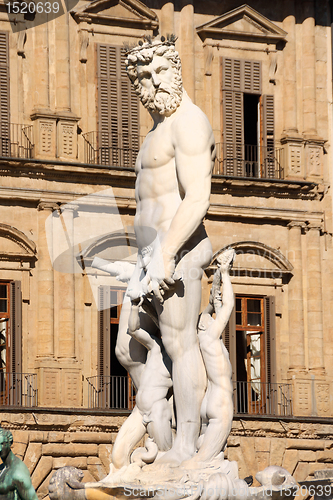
(18, 389)
(114, 392)
(106, 148)
(257, 398)
(244, 160)
(16, 141)
(262, 398)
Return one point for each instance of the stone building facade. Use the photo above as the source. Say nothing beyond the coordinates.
(70, 129)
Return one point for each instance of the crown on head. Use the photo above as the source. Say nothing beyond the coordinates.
(148, 43)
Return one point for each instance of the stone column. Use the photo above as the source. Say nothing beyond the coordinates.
(295, 295)
(289, 68)
(63, 92)
(314, 300)
(291, 139)
(66, 291)
(45, 348)
(167, 19)
(66, 120)
(308, 69)
(187, 46)
(41, 67)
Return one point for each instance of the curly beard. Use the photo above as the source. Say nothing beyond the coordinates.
(163, 100)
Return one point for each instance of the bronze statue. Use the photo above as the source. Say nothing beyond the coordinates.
(15, 480)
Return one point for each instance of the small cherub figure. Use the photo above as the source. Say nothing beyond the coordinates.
(15, 481)
(217, 406)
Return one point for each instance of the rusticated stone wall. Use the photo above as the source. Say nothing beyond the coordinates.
(46, 441)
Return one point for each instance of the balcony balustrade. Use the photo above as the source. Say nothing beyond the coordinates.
(18, 389)
(114, 392)
(116, 150)
(240, 160)
(247, 160)
(16, 141)
(260, 398)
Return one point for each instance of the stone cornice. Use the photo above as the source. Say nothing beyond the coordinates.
(268, 188)
(96, 174)
(57, 115)
(227, 211)
(275, 215)
(85, 420)
(81, 173)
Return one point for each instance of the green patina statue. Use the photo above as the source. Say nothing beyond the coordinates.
(15, 481)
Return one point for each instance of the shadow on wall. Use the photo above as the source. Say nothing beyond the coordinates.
(271, 10)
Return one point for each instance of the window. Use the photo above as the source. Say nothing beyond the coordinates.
(4, 96)
(118, 110)
(114, 386)
(247, 148)
(10, 343)
(250, 340)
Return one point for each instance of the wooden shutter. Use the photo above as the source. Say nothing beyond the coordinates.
(4, 96)
(233, 132)
(104, 351)
(129, 117)
(15, 327)
(238, 77)
(242, 75)
(118, 109)
(268, 136)
(229, 340)
(233, 137)
(270, 337)
(232, 74)
(251, 77)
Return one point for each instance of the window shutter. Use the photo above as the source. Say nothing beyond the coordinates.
(104, 351)
(15, 326)
(270, 337)
(129, 117)
(229, 340)
(238, 77)
(4, 96)
(232, 74)
(242, 75)
(233, 132)
(118, 109)
(268, 135)
(252, 77)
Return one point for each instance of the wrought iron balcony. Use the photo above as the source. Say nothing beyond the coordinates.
(114, 392)
(18, 389)
(247, 160)
(255, 398)
(107, 148)
(16, 141)
(260, 398)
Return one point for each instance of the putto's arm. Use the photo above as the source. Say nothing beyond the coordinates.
(121, 270)
(223, 313)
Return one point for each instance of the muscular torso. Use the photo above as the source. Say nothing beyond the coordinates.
(157, 190)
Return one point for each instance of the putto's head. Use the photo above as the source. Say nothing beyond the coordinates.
(155, 71)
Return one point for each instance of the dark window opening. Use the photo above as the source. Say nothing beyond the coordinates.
(112, 388)
(250, 123)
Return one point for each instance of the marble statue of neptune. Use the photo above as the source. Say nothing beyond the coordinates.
(172, 191)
